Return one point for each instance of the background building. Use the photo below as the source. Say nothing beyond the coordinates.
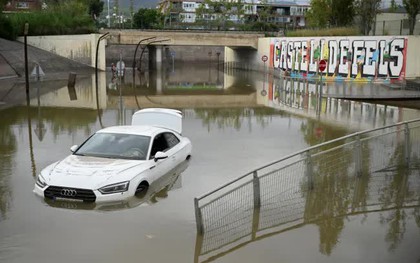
(200, 13)
(22, 5)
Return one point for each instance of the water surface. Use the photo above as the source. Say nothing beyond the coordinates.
(234, 128)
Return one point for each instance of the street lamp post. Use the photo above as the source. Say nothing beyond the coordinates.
(135, 54)
(109, 18)
(25, 34)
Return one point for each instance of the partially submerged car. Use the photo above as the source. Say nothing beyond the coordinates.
(157, 191)
(118, 162)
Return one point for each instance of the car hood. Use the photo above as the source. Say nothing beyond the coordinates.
(91, 172)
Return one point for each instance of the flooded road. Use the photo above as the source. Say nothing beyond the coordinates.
(234, 128)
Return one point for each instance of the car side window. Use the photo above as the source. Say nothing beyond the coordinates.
(163, 142)
(171, 139)
(159, 145)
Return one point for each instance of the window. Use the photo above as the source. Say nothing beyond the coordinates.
(171, 139)
(115, 145)
(23, 5)
(163, 142)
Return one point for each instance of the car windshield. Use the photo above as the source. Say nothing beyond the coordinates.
(116, 145)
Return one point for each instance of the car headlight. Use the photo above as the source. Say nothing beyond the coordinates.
(114, 188)
(40, 181)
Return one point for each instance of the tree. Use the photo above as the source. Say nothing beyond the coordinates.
(220, 13)
(393, 6)
(342, 12)
(95, 8)
(367, 11)
(200, 12)
(131, 12)
(2, 5)
(166, 8)
(147, 18)
(413, 8)
(325, 13)
(319, 14)
(261, 22)
(116, 12)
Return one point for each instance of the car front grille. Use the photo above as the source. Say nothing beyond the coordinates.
(86, 195)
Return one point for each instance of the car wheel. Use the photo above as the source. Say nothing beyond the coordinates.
(142, 189)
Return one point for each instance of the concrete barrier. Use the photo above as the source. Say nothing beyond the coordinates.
(349, 58)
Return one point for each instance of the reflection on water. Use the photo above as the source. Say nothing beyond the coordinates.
(227, 117)
(8, 147)
(233, 221)
(189, 78)
(307, 98)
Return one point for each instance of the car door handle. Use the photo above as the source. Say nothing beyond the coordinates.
(152, 167)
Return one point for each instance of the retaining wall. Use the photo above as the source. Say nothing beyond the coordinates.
(80, 48)
(360, 58)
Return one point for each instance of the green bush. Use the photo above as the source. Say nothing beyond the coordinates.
(7, 30)
(65, 18)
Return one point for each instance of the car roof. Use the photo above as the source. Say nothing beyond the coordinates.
(137, 130)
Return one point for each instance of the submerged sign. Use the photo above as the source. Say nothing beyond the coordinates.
(367, 58)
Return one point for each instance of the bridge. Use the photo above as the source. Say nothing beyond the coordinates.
(230, 39)
(156, 40)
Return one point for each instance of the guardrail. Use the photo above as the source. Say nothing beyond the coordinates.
(281, 193)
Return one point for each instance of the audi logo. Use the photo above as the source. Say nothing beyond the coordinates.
(68, 192)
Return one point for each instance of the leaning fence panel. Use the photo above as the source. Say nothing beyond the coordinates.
(365, 171)
(228, 218)
(414, 143)
(384, 150)
(281, 195)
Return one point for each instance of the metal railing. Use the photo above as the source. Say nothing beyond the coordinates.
(282, 193)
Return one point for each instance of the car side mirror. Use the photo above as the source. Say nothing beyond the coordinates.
(160, 155)
(73, 148)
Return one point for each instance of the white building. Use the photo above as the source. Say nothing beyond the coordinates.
(284, 13)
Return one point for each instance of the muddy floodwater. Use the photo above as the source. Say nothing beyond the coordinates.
(236, 121)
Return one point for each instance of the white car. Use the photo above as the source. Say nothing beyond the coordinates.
(118, 162)
(158, 190)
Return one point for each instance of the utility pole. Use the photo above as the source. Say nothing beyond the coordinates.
(25, 35)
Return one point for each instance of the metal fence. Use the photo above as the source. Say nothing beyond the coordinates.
(392, 27)
(300, 188)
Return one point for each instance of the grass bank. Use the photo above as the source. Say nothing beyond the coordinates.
(70, 18)
(338, 31)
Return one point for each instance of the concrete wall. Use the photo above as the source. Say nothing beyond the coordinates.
(243, 58)
(394, 24)
(84, 92)
(297, 57)
(180, 53)
(413, 57)
(80, 48)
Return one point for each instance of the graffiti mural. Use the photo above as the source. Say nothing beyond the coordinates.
(348, 58)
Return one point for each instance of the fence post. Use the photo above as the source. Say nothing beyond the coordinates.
(198, 217)
(383, 27)
(309, 171)
(256, 186)
(407, 150)
(358, 156)
(257, 205)
(401, 27)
